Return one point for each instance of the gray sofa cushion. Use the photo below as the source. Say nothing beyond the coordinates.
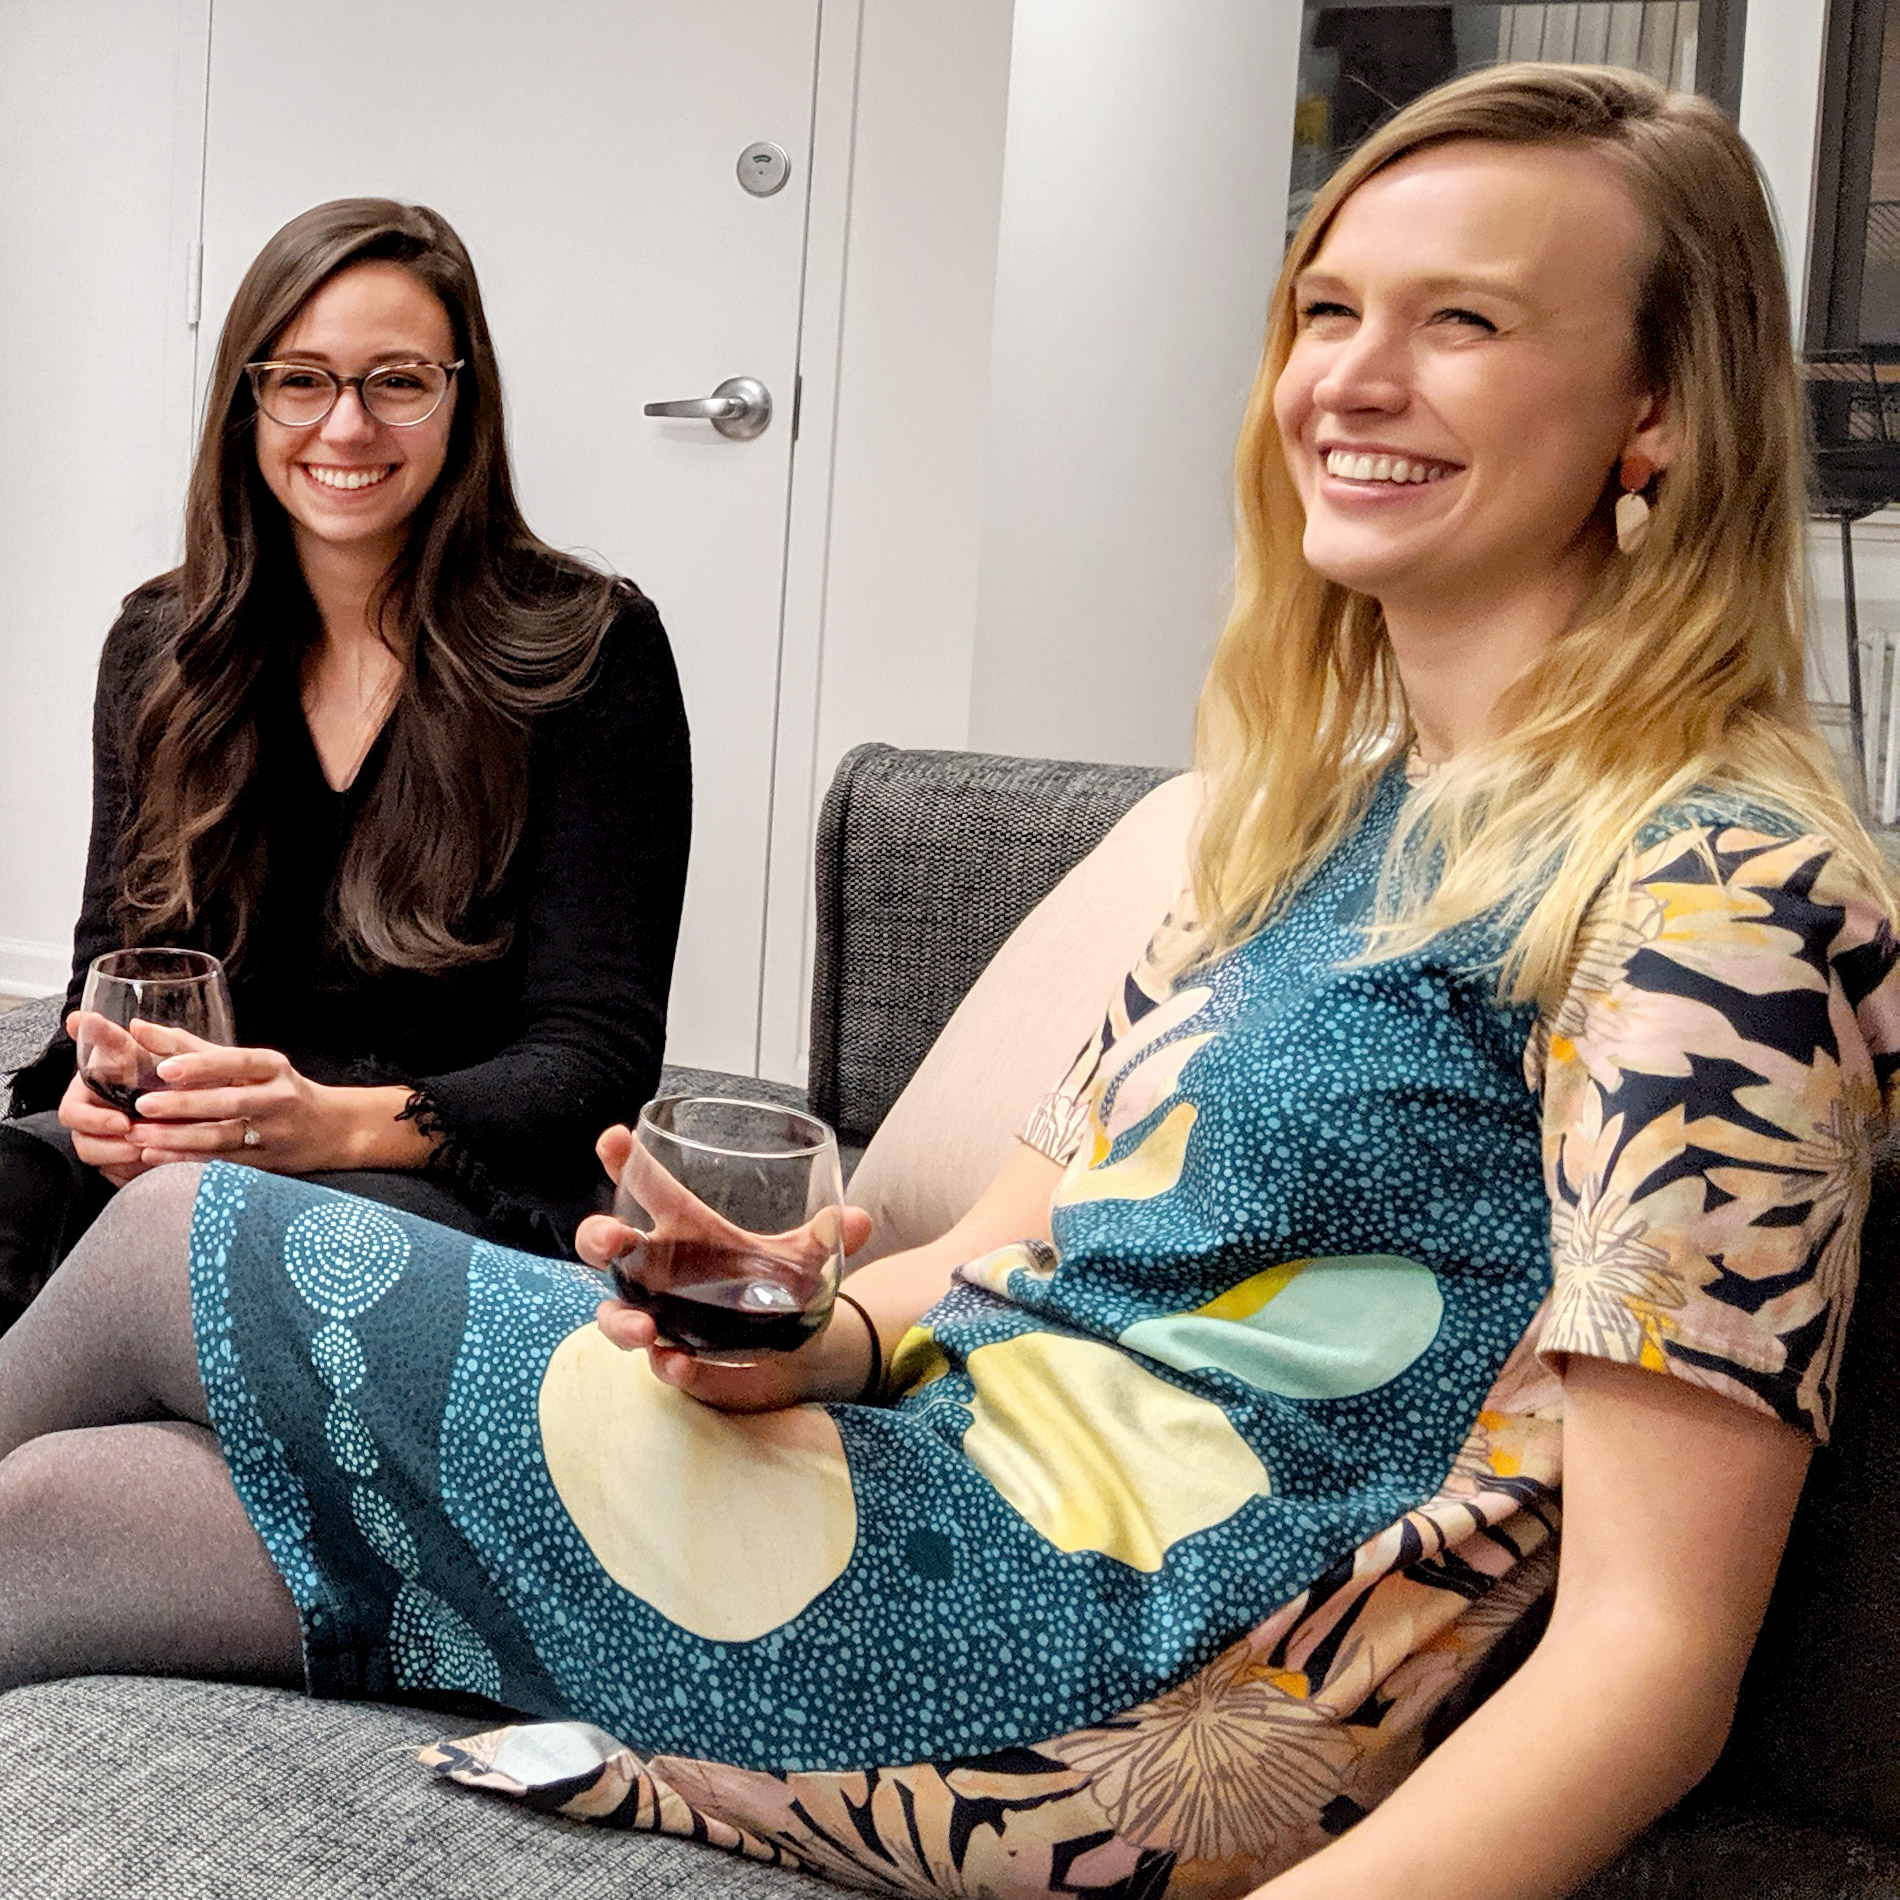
(24, 1032)
(926, 862)
(127, 1788)
(1728, 1854)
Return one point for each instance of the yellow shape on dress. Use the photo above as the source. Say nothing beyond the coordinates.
(1151, 1168)
(727, 1523)
(1097, 1453)
(1242, 1302)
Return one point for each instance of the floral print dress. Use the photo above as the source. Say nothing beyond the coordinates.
(1182, 1532)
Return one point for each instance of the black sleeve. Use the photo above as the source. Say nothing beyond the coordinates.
(603, 874)
(115, 704)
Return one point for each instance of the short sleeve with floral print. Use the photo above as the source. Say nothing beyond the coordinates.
(1711, 1085)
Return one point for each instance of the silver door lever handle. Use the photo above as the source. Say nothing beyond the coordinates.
(741, 407)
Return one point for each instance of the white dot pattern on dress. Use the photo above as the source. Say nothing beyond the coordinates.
(433, 1648)
(350, 1442)
(338, 1359)
(272, 1495)
(384, 1531)
(344, 1255)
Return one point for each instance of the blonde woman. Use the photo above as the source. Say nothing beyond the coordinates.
(1488, 1136)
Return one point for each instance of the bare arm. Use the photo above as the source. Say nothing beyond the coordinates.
(1676, 1506)
(895, 1291)
(898, 1290)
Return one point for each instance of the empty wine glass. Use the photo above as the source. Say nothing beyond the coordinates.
(739, 1209)
(171, 989)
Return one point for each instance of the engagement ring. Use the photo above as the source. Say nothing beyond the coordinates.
(252, 1139)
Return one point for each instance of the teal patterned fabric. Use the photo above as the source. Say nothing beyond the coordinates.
(375, 1381)
(1182, 1528)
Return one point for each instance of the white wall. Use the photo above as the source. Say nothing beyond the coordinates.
(92, 96)
(1144, 202)
(919, 286)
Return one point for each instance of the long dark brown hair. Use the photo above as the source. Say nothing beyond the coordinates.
(491, 624)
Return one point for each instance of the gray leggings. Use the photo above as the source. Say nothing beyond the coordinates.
(122, 1544)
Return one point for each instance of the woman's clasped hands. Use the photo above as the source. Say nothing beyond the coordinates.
(203, 1101)
(832, 1364)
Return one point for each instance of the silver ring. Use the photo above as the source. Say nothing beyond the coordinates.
(252, 1139)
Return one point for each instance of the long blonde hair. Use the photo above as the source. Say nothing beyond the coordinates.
(1683, 669)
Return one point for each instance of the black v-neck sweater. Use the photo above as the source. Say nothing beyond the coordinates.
(519, 1061)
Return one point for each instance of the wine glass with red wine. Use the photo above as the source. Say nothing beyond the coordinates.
(173, 989)
(738, 1206)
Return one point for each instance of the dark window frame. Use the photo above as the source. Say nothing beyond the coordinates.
(1720, 32)
(1843, 175)
(1720, 39)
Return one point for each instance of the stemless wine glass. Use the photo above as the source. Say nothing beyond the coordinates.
(738, 1205)
(172, 989)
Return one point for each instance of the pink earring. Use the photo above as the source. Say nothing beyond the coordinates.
(1634, 474)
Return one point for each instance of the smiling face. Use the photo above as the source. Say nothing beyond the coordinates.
(350, 482)
(1463, 379)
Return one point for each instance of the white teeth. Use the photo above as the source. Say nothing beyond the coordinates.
(1381, 468)
(345, 477)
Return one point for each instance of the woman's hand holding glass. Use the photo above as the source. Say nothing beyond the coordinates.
(248, 1105)
(832, 1364)
(104, 1137)
(134, 1003)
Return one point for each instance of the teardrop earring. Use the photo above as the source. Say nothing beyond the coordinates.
(1634, 473)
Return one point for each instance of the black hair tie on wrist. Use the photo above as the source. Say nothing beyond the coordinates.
(873, 1386)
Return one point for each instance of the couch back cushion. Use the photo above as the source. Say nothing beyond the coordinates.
(1818, 1729)
(1017, 1030)
(926, 862)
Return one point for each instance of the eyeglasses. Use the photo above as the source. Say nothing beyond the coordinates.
(298, 395)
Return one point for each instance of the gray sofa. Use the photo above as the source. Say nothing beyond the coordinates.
(203, 1791)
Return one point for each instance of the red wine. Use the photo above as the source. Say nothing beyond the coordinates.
(120, 1095)
(718, 1299)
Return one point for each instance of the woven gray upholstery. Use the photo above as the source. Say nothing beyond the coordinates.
(745, 1088)
(24, 1032)
(926, 862)
(1729, 1854)
(752, 1088)
(124, 1788)
(1818, 1729)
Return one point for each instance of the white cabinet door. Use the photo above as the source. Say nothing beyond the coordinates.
(586, 151)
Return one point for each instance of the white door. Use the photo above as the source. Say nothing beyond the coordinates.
(586, 151)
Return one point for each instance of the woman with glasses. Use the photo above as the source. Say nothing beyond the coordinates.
(420, 780)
